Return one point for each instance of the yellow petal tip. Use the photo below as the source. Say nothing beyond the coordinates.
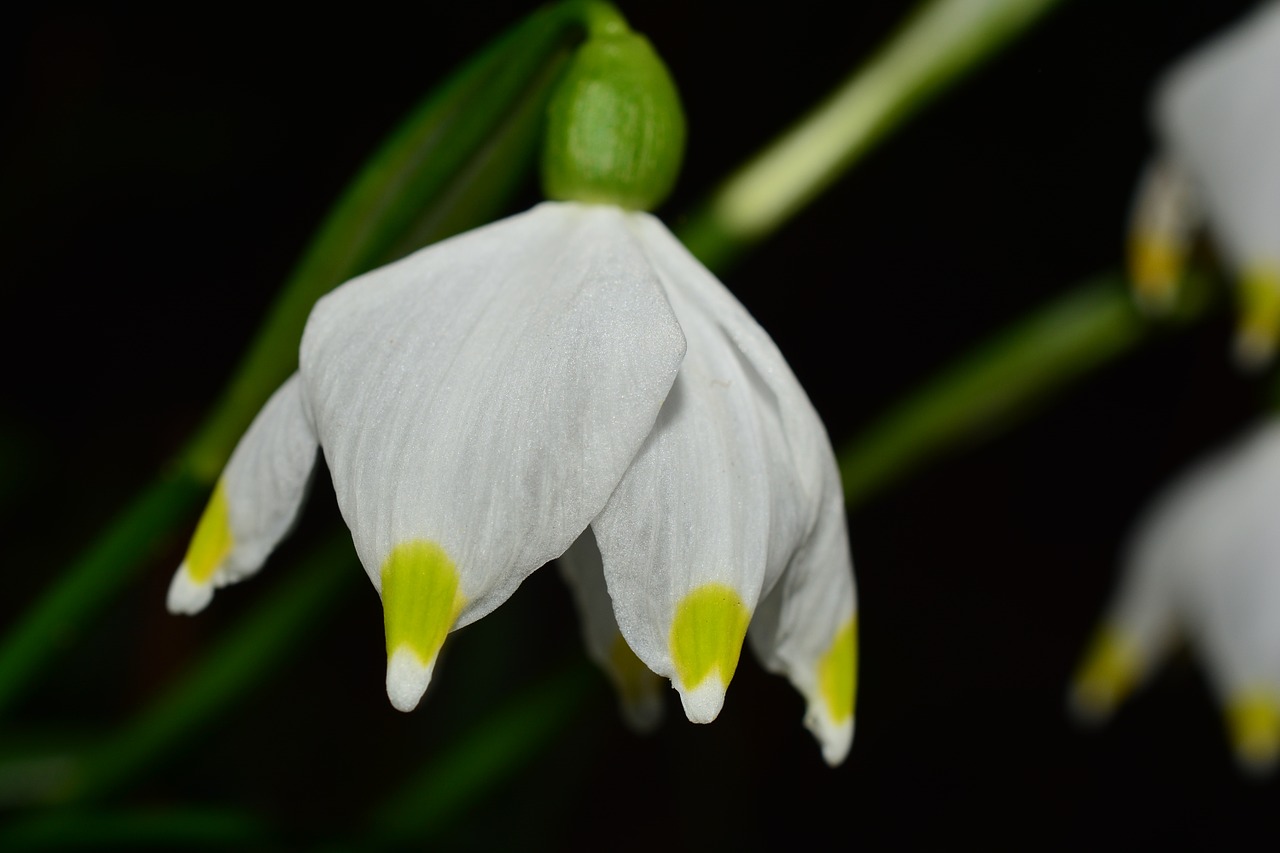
(420, 603)
(838, 673)
(1105, 678)
(1253, 720)
(212, 541)
(1155, 267)
(706, 640)
(1258, 330)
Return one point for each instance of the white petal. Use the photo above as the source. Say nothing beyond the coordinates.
(1204, 562)
(1232, 596)
(1218, 113)
(479, 400)
(639, 689)
(807, 628)
(715, 504)
(255, 502)
(806, 625)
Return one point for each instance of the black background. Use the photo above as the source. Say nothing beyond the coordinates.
(162, 170)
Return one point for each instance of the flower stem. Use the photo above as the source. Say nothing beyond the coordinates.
(1018, 368)
(941, 41)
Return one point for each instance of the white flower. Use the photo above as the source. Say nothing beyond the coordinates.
(489, 402)
(1204, 566)
(1217, 118)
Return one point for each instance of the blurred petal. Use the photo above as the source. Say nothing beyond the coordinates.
(254, 504)
(478, 402)
(1218, 113)
(1161, 227)
(1258, 332)
(639, 689)
(1206, 564)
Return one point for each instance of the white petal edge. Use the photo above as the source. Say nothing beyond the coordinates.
(255, 503)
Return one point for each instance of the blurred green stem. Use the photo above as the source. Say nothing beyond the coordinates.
(492, 750)
(932, 50)
(160, 829)
(1019, 367)
(58, 617)
(240, 660)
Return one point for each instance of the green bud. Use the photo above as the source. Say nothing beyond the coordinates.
(615, 130)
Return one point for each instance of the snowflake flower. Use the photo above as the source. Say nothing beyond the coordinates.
(567, 379)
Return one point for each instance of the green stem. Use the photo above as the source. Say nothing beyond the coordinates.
(240, 660)
(1089, 326)
(937, 45)
(101, 570)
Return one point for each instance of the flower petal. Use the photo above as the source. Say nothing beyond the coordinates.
(1177, 537)
(715, 504)
(255, 502)
(639, 689)
(1202, 563)
(1232, 596)
(479, 400)
(807, 628)
(1162, 223)
(1218, 112)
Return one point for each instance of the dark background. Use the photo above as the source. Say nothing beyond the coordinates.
(161, 171)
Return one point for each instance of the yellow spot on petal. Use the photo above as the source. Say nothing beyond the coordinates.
(838, 672)
(1259, 325)
(212, 541)
(420, 598)
(707, 633)
(1253, 718)
(1108, 674)
(1155, 265)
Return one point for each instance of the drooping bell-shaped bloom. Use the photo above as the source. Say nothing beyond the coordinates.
(1217, 120)
(1203, 567)
(568, 379)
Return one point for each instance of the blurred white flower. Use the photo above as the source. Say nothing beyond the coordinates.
(489, 402)
(1217, 120)
(1204, 566)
